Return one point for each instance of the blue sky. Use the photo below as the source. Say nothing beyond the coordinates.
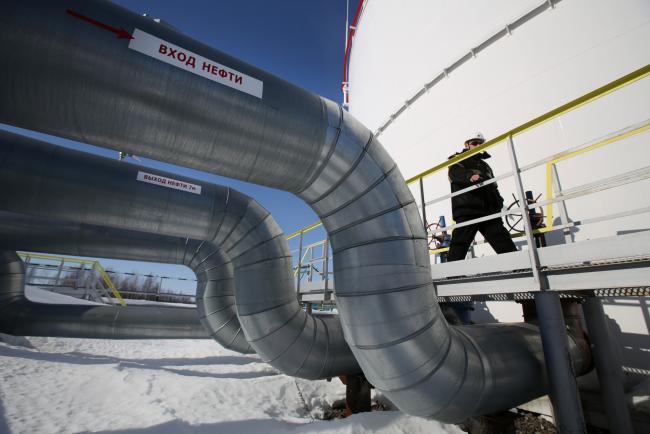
(301, 41)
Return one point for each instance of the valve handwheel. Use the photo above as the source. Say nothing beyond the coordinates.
(515, 220)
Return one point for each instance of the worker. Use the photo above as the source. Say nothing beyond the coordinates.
(474, 204)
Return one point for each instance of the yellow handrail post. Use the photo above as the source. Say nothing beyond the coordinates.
(109, 283)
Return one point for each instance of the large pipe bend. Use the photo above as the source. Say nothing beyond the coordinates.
(215, 281)
(292, 140)
(387, 303)
(244, 250)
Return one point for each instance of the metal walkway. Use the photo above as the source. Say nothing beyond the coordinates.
(619, 263)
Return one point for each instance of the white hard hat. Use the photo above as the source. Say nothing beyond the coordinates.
(476, 136)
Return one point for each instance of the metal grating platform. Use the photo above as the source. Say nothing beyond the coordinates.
(607, 267)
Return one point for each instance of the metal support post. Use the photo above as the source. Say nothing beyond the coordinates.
(523, 203)
(84, 282)
(561, 377)
(92, 283)
(29, 270)
(357, 394)
(608, 366)
(563, 386)
(424, 211)
(58, 274)
(326, 277)
(299, 265)
(564, 215)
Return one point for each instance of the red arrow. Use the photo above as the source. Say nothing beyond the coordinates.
(121, 33)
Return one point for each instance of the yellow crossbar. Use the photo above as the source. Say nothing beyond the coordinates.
(305, 229)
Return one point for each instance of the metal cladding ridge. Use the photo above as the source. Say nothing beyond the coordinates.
(70, 79)
(241, 254)
(22, 317)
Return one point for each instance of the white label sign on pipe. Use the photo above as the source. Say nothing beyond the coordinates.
(179, 57)
(168, 182)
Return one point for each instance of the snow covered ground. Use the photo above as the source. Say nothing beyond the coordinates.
(40, 295)
(56, 385)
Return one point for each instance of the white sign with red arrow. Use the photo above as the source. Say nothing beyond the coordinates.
(179, 57)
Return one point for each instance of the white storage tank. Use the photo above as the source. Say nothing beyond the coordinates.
(492, 66)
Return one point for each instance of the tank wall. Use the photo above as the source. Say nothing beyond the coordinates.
(555, 57)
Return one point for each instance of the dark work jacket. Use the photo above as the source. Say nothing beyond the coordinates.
(475, 203)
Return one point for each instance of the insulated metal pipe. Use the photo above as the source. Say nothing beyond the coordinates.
(215, 296)
(137, 96)
(241, 246)
(21, 317)
(53, 51)
(567, 407)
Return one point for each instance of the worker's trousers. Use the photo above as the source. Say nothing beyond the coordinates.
(492, 230)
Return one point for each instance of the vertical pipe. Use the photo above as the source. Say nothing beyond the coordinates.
(445, 238)
(563, 386)
(608, 366)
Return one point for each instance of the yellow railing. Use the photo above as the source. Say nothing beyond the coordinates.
(571, 154)
(109, 283)
(96, 265)
(563, 109)
(305, 229)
